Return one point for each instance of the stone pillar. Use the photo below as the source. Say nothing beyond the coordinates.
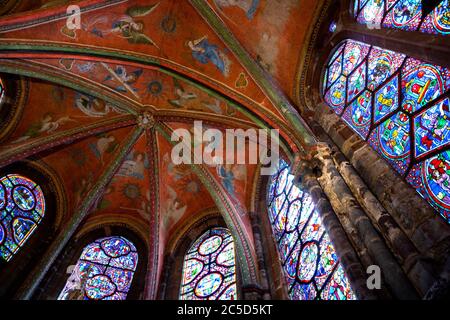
(168, 264)
(412, 261)
(359, 228)
(263, 276)
(377, 196)
(349, 259)
(428, 232)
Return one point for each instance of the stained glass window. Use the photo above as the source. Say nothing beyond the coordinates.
(104, 271)
(400, 105)
(209, 271)
(312, 267)
(22, 207)
(404, 15)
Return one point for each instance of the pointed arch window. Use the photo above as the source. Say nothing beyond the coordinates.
(104, 271)
(406, 15)
(209, 270)
(312, 267)
(401, 107)
(22, 207)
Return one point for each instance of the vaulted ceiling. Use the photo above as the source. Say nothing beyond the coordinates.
(101, 101)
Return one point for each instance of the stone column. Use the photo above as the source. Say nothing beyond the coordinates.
(377, 204)
(412, 261)
(168, 264)
(349, 259)
(359, 228)
(263, 277)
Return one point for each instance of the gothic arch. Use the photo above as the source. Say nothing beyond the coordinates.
(179, 244)
(12, 102)
(56, 208)
(55, 280)
(268, 252)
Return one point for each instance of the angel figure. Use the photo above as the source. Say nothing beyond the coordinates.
(205, 52)
(93, 107)
(105, 144)
(183, 96)
(124, 26)
(134, 165)
(48, 124)
(228, 173)
(125, 78)
(174, 207)
(182, 174)
(132, 30)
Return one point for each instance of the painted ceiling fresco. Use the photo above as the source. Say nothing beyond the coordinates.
(182, 194)
(129, 190)
(174, 35)
(148, 87)
(64, 109)
(235, 179)
(146, 68)
(265, 29)
(80, 164)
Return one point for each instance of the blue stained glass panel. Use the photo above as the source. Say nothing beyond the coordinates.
(308, 257)
(22, 207)
(403, 14)
(438, 21)
(356, 82)
(372, 13)
(209, 271)
(104, 271)
(335, 97)
(391, 139)
(432, 128)
(358, 114)
(422, 83)
(354, 53)
(403, 113)
(382, 65)
(335, 70)
(386, 100)
(431, 178)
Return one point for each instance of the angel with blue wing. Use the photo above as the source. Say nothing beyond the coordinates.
(206, 52)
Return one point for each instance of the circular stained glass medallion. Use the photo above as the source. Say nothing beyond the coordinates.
(210, 245)
(24, 198)
(208, 285)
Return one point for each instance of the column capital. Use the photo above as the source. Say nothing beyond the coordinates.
(252, 291)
